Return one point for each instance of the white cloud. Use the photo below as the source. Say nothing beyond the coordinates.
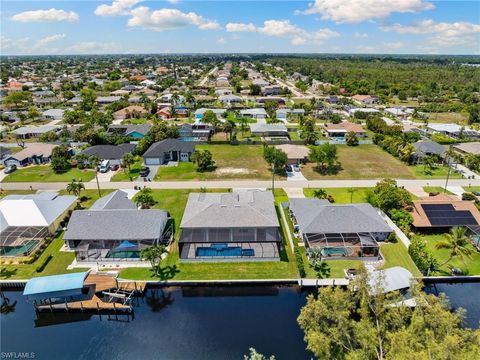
(285, 29)
(118, 7)
(92, 47)
(352, 11)
(49, 15)
(393, 45)
(165, 19)
(359, 35)
(14, 45)
(441, 34)
(40, 44)
(173, 1)
(239, 27)
(386, 47)
(221, 40)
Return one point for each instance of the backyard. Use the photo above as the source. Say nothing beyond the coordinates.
(232, 162)
(362, 162)
(44, 173)
(470, 265)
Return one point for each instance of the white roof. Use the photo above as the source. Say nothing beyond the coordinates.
(395, 111)
(450, 128)
(391, 279)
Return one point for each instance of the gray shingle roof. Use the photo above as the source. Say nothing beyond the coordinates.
(159, 148)
(316, 216)
(109, 152)
(241, 209)
(128, 129)
(429, 147)
(265, 128)
(116, 224)
(115, 200)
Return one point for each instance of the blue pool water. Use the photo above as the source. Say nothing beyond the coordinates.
(332, 251)
(223, 250)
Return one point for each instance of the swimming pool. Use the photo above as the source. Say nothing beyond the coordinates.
(223, 250)
(335, 251)
(123, 254)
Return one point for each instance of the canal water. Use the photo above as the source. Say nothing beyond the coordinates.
(181, 323)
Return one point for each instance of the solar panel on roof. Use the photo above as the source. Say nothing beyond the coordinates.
(447, 215)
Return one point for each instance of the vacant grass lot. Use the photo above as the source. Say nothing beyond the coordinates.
(470, 265)
(362, 162)
(174, 201)
(57, 265)
(44, 173)
(439, 189)
(448, 117)
(232, 162)
(440, 172)
(341, 195)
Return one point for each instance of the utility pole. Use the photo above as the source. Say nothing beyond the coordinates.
(273, 179)
(449, 170)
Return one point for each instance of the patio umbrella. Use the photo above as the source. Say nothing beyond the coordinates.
(125, 245)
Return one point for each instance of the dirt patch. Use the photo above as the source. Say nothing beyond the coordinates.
(234, 171)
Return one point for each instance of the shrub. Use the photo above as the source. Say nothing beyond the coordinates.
(468, 196)
(392, 238)
(45, 262)
(421, 256)
(300, 264)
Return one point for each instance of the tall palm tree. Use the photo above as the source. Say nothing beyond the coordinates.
(127, 160)
(75, 187)
(457, 242)
(351, 191)
(94, 161)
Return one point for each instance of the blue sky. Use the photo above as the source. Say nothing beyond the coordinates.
(180, 26)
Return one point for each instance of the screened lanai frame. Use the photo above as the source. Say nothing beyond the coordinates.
(359, 244)
(16, 236)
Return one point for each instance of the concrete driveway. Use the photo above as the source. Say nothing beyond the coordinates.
(151, 174)
(104, 177)
(295, 176)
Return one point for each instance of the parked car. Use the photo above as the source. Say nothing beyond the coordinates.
(114, 167)
(10, 168)
(144, 171)
(296, 168)
(104, 166)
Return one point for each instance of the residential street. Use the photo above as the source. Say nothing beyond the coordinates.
(240, 184)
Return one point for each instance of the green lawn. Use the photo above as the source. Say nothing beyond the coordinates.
(396, 254)
(439, 189)
(232, 162)
(4, 193)
(128, 175)
(57, 265)
(440, 172)
(341, 195)
(44, 173)
(174, 201)
(362, 162)
(88, 197)
(471, 188)
(470, 267)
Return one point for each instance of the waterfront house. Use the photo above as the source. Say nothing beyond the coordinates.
(237, 226)
(114, 229)
(341, 129)
(25, 220)
(268, 130)
(167, 150)
(350, 230)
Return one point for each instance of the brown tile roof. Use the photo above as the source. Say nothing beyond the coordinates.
(346, 126)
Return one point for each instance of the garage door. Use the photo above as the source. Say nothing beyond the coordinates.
(152, 161)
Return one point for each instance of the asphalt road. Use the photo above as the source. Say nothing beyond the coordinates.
(239, 184)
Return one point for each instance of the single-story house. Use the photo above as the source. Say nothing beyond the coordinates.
(230, 99)
(468, 148)
(27, 132)
(282, 114)
(350, 230)
(4, 152)
(426, 148)
(341, 129)
(53, 114)
(132, 111)
(257, 113)
(131, 130)
(167, 150)
(365, 99)
(195, 132)
(453, 130)
(268, 90)
(114, 153)
(441, 212)
(35, 154)
(352, 112)
(113, 228)
(332, 99)
(297, 154)
(268, 130)
(164, 113)
(102, 100)
(200, 112)
(278, 100)
(397, 112)
(237, 226)
(25, 220)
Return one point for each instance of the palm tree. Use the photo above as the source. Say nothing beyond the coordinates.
(75, 187)
(154, 254)
(320, 193)
(228, 129)
(127, 159)
(145, 198)
(351, 191)
(94, 161)
(457, 242)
